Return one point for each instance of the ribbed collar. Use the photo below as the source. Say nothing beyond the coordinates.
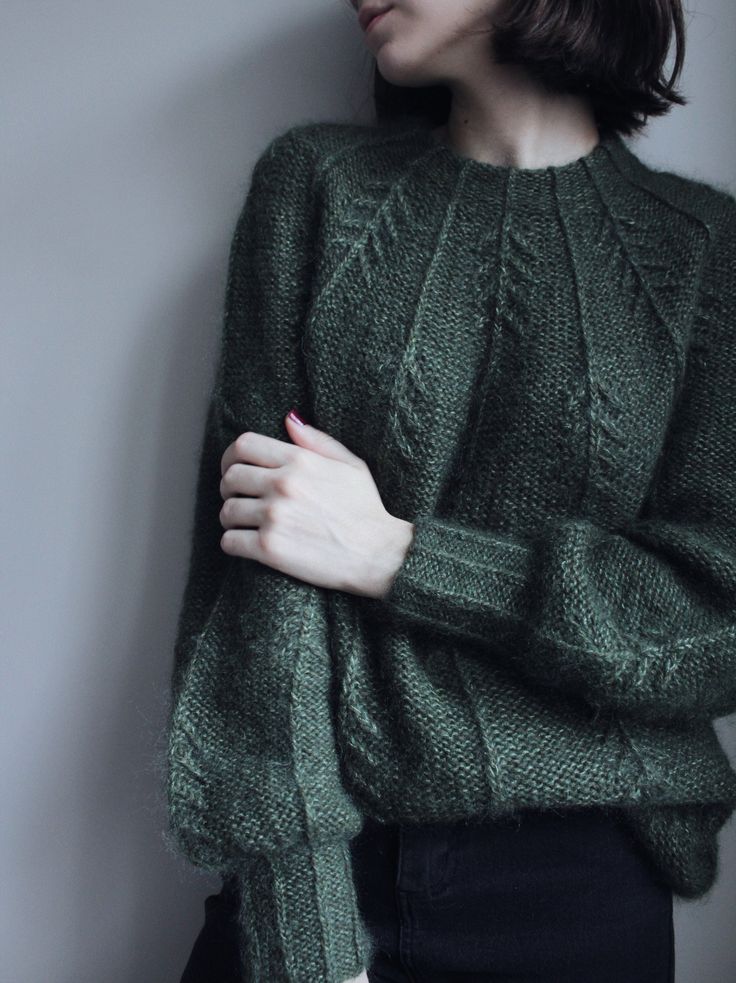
(610, 162)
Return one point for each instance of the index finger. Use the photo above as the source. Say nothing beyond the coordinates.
(251, 447)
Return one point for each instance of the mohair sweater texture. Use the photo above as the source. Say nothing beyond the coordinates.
(539, 368)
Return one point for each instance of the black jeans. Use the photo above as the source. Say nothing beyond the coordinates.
(215, 957)
(552, 897)
(549, 898)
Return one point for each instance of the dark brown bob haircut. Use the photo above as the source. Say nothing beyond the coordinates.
(612, 51)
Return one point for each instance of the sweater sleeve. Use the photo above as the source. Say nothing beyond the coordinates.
(639, 619)
(253, 785)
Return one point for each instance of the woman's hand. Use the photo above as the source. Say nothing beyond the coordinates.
(312, 511)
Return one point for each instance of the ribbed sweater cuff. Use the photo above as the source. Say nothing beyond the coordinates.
(461, 579)
(299, 917)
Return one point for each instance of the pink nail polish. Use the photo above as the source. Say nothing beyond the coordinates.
(297, 419)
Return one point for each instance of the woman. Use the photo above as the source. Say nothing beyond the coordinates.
(519, 333)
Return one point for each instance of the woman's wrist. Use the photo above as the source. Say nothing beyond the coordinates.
(390, 553)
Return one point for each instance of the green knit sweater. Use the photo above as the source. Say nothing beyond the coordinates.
(539, 368)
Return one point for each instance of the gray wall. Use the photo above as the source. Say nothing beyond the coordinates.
(129, 132)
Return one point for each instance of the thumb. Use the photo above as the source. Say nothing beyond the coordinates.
(305, 435)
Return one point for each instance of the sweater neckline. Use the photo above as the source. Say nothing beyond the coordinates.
(611, 152)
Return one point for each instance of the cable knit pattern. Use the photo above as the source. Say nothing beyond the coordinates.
(539, 368)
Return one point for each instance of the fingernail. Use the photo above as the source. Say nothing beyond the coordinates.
(296, 418)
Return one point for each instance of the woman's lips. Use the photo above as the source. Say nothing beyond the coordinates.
(377, 18)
